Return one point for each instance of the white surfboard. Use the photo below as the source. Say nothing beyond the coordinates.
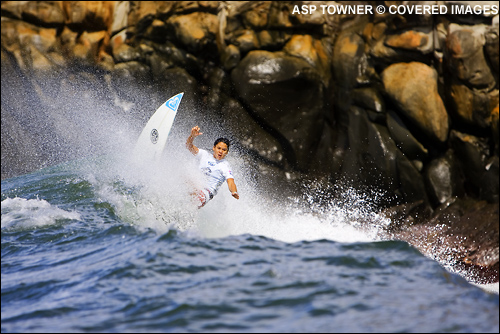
(154, 136)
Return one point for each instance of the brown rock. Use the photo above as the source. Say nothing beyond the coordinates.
(12, 9)
(279, 15)
(44, 12)
(230, 57)
(246, 41)
(156, 31)
(411, 40)
(89, 15)
(117, 40)
(257, 17)
(89, 45)
(196, 30)
(413, 87)
(273, 39)
(32, 46)
(312, 51)
(473, 106)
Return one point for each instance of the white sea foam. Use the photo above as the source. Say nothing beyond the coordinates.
(28, 213)
(159, 199)
(491, 287)
(288, 222)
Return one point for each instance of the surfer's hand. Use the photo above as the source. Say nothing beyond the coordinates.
(235, 195)
(195, 132)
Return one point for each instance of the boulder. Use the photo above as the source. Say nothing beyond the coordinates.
(413, 88)
(403, 138)
(313, 52)
(478, 165)
(465, 55)
(246, 40)
(472, 106)
(286, 95)
(411, 40)
(444, 179)
(349, 60)
(371, 155)
(195, 31)
(89, 15)
(257, 17)
(44, 13)
(491, 47)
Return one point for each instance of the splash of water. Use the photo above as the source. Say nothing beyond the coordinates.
(157, 195)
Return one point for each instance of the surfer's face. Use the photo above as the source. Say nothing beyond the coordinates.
(220, 151)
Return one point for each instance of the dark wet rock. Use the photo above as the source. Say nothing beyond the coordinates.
(462, 234)
(251, 138)
(488, 185)
(412, 185)
(403, 138)
(349, 64)
(230, 57)
(373, 159)
(370, 99)
(285, 95)
(478, 168)
(444, 179)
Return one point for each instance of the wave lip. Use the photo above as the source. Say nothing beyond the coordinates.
(31, 213)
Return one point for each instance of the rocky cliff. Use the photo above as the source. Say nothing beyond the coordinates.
(406, 103)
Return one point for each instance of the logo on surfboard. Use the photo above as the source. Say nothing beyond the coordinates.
(154, 136)
(174, 102)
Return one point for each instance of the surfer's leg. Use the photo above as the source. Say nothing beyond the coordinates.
(200, 197)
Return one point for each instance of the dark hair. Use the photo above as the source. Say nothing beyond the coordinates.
(222, 140)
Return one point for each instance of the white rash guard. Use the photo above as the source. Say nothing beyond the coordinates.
(216, 171)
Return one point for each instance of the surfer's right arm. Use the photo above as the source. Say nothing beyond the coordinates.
(195, 132)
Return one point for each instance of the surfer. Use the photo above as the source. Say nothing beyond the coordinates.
(214, 166)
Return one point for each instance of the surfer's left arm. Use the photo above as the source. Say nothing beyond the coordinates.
(232, 188)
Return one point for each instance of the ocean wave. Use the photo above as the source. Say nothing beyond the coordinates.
(20, 213)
